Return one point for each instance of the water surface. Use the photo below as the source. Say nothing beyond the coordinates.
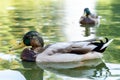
(57, 21)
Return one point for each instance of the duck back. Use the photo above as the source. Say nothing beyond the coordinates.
(87, 21)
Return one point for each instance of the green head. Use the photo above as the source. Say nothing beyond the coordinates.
(29, 36)
(87, 11)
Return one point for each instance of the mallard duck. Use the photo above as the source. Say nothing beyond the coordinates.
(62, 51)
(73, 51)
(88, 18)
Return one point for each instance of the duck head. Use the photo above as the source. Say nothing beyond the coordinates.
(87, 11)
(33, 38)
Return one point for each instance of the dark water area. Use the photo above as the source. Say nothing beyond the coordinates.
(57, 21)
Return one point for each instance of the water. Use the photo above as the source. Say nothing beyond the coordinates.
(57, 20)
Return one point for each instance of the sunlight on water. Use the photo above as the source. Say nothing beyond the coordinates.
(11, 75)
(8, 57)
(73, 12)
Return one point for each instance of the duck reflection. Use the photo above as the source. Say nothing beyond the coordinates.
(87, 69)
(89, 29)
(101, 71)
(31, 71)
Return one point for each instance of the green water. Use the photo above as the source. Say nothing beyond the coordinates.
(110, 27)
(57, 20)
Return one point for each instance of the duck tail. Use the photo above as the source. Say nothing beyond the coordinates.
(101, 46)
(107, 43)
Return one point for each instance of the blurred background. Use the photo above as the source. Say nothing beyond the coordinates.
(57, 21)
